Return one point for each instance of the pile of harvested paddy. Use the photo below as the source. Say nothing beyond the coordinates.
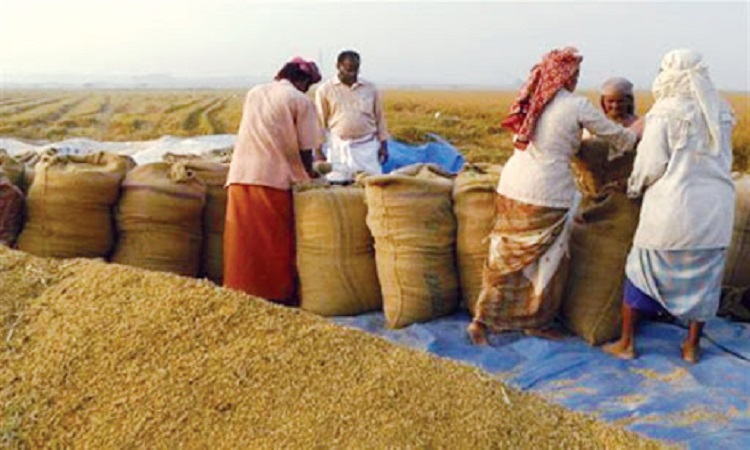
(114, 356)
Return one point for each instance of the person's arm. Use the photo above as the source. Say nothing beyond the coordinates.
(306, 155)
(324, 112)
(594, 120)
(382, 128)
(308, 135)
(652, 156)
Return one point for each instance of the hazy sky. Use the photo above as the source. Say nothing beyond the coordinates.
(488, 43)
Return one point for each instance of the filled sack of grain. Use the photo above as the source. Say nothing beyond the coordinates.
(601, 240)
(410, 215)
(213, 173)
(159, 219)
(737, 271)
(69, 205)
(474, 193)
(335, 254)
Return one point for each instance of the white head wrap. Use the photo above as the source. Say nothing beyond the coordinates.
(684, 74)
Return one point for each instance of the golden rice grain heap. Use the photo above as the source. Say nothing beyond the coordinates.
(23, 278)
(114, 356)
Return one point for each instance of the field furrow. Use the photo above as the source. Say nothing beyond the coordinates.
(211, 119)
(193, 119)
(29, 106)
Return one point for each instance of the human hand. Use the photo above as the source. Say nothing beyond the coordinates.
(638, 126)
(383, 152)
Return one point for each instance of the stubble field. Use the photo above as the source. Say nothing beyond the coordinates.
(468, 119)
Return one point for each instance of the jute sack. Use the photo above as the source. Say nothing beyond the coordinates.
(159, 219)
(601, 240)
(213, 174)
(335, 255)
(11, 210)
(411, 219)
(594, 171)
(474, 193)
(12, 168)
(737, 272)
(69, 205)
(30, 158)
(222, 156)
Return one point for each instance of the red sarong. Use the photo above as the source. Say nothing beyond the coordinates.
(259, 242)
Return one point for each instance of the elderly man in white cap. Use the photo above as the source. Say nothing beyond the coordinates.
(683, 171)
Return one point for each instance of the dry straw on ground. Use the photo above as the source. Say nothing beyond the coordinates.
(108, 355)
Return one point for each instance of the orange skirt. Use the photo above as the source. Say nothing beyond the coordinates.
(259, 242)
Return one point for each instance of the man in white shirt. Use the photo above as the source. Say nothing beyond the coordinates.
(351, 110)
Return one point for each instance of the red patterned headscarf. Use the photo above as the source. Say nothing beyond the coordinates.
(555, 70)
(309, 67)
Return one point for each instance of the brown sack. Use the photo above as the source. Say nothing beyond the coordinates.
(30, 158)
(737, 272)
(159, 219)
(601, 240)
(69, 205)
(594, 171)
(411, 219)
(335, 255)
(214, 175)
(474, 193)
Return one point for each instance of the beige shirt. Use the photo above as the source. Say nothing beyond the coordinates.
(277, 122)
(351, 112)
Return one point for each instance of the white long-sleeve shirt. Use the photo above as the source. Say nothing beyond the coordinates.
(541, 174)
(689, 196)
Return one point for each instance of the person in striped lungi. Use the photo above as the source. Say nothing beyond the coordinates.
(683, 170)
(527, 263)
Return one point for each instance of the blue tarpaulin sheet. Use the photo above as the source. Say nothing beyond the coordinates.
(706, 405)
(439, 152)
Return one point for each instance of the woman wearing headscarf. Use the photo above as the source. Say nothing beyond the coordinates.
(617, 101)
(526, 267)
(278, 131)
(683, 171)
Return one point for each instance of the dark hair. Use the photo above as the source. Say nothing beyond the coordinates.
(293, 73)
(347, 54)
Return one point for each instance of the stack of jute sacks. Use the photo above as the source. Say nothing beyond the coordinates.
(166, 216)
(412, 243)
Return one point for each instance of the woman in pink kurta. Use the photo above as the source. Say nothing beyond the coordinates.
(277, 134)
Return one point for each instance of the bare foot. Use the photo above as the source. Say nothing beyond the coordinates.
(690, 353)
(477, 333)
(619, 350)
(544, 333)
